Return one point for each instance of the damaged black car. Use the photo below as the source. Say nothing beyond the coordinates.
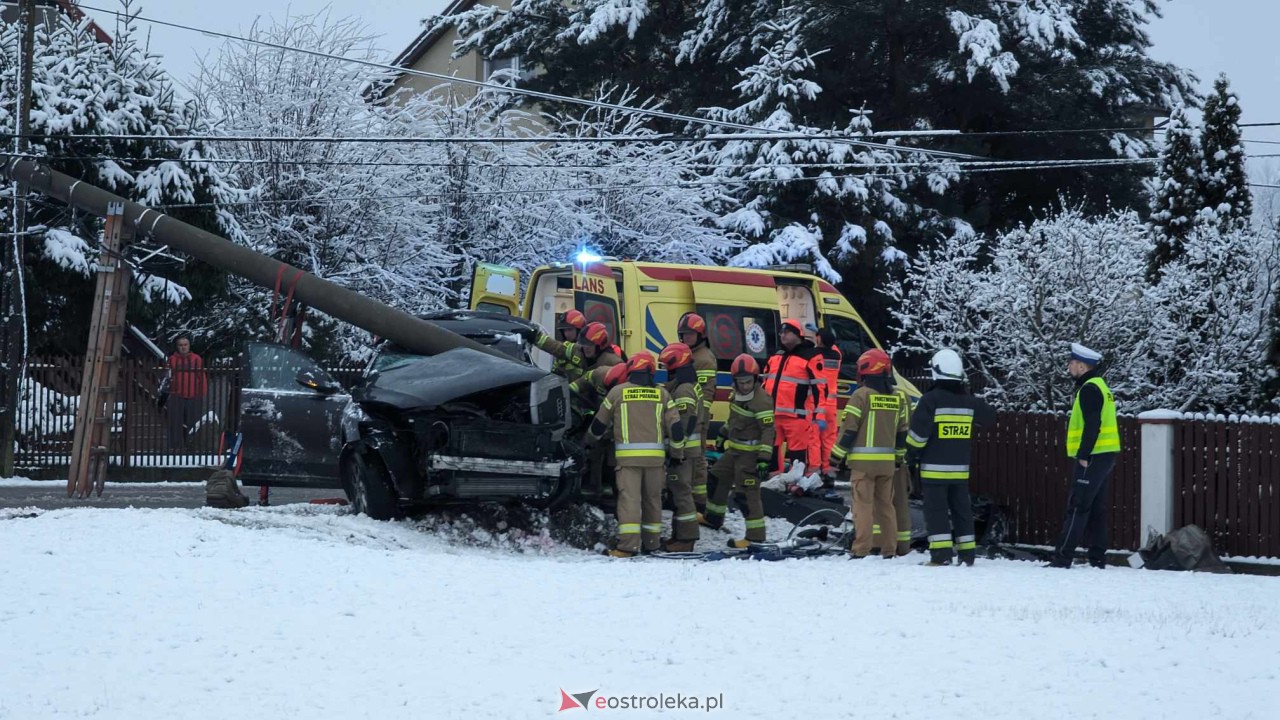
(414, 431)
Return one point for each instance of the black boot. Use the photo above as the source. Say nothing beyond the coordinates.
(1100, 564)
(1059, 561)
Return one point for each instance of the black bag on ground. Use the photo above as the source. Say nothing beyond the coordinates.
(1187, 548)
(222, 491)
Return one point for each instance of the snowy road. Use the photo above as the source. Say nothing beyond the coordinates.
(308, 612)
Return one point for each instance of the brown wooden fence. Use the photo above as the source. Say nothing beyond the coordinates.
(1022, 464)
(1227, 481)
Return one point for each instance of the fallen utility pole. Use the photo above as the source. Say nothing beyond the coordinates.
(13, 306)
(412, 333)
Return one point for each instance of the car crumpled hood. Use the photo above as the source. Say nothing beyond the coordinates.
(431, 381)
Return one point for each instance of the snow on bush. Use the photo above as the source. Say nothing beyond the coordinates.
(1012, 304)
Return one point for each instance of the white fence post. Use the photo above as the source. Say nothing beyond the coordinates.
(1156, 499)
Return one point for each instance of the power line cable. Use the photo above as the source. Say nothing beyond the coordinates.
(517, 90)
(1046, 165)
(943, 167)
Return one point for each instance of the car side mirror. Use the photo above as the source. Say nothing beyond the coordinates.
(318, 381)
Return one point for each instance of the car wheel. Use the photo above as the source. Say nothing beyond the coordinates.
(369, 487)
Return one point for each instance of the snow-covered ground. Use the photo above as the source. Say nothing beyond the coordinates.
(309, 612)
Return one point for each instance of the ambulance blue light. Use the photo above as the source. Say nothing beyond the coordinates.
(586, 256)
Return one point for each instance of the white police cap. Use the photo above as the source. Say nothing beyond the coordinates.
(1085, 355)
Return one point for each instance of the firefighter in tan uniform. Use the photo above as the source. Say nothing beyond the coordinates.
(874, 428)
(693, 332)
(592, 348)
(901, 491)
(748, 442)
(646, 432)
(585, 395)
(567, 357)
(682, 383)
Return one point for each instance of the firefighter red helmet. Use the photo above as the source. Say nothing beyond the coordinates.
(676, 355)
(874, 362)
(794, 326)
(642, 362)
(692, 322)
(596, 334)
(744, 364)
(572, 319)
(616, 374)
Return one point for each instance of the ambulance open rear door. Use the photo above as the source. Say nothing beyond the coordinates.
(495, 288)
(595, 295)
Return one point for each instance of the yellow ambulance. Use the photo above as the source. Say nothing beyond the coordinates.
(642, 302)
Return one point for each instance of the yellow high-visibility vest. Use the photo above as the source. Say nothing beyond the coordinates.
(1108, 432)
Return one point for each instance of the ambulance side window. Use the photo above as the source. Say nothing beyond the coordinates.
(732, 331)
(852, 340)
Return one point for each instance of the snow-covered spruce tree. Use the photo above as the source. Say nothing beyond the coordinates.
(1176, 194)
(1225, 184)
(1012, 304)
(838, 216)
(326, 207)
(82, 88)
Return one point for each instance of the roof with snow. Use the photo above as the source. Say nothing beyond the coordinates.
(428, 37)
(10, 14)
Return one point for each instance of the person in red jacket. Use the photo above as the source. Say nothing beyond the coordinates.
(794, 379)
(187, 388)
(831, 360)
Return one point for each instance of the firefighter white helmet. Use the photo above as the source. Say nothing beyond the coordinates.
(946, 365)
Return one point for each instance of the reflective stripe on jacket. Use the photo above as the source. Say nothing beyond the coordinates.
(832, 359)
(874, 426)
(941, 434)
(688, 404)
(794, 380)
(749, 428)
(644, 420)
(704, 364)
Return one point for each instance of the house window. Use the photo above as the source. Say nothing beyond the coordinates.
(512, 64)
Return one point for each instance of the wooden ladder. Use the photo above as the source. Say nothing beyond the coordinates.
(94, 417)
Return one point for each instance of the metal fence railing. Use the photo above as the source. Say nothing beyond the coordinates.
(141, 434)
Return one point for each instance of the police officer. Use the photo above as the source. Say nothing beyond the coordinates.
(693, 332)
(646, 433)
(1093, 442)
(748, 438)
(682, 381)
(874, 426)
(940, 442)
(568, 360)
(794, 381)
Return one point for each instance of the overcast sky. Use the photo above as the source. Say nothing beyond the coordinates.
(1208, 36)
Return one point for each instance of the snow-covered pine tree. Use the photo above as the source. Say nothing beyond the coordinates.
(82, 88)
(1176, 195)
(1227, 200)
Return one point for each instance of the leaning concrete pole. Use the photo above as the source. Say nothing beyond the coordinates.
(383, 320)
